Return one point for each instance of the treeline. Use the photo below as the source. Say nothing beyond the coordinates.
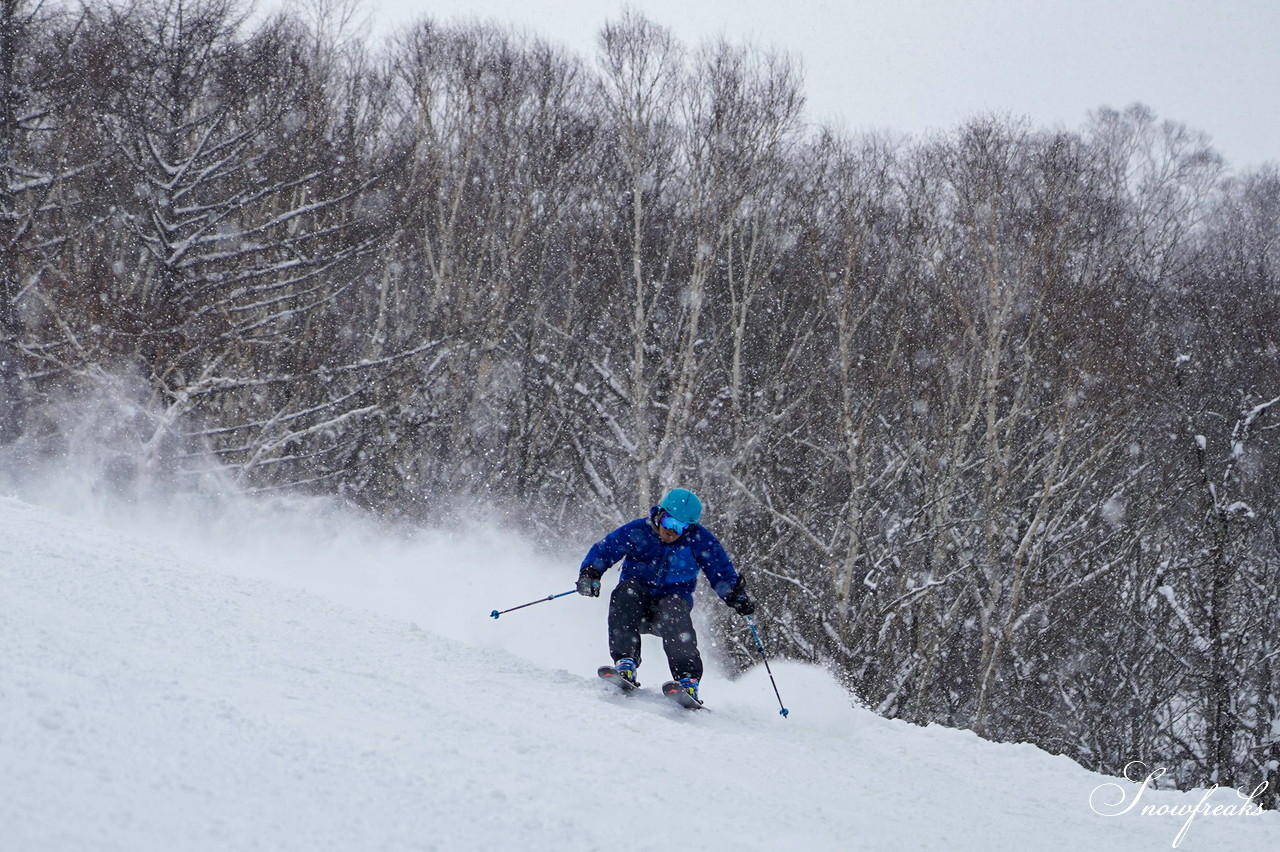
(988, 419)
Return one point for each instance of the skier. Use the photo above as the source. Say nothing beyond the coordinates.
(661, 556)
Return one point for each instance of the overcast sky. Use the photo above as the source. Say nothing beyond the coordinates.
(918, 65)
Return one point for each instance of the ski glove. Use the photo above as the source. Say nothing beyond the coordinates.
(740, 600)
(589, 582)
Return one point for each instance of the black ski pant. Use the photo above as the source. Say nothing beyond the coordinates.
(634, 610)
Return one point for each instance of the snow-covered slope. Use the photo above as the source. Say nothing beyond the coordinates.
(267, 689)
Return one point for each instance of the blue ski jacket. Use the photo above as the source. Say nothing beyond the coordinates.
(667, 569)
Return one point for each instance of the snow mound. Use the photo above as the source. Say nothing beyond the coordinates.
(265, 689)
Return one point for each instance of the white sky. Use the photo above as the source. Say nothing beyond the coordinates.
(917, 65)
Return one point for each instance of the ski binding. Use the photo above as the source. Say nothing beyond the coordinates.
(672, 690)
(609, 674)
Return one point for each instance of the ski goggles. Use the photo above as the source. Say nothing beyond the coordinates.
(677, 526)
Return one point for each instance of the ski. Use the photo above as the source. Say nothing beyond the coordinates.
(609, 674)
(672, 690)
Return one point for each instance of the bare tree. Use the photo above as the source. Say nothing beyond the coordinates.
(36, 93)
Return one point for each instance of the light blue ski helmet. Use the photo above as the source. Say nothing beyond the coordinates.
(682, 505)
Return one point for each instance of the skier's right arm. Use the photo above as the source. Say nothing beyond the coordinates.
(602, 554)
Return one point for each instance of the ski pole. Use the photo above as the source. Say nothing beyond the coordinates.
(784, 712)
(496, 613)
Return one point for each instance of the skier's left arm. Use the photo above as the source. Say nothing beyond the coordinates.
(724, 578)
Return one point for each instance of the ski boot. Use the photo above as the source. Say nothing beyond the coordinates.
(626, 669)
